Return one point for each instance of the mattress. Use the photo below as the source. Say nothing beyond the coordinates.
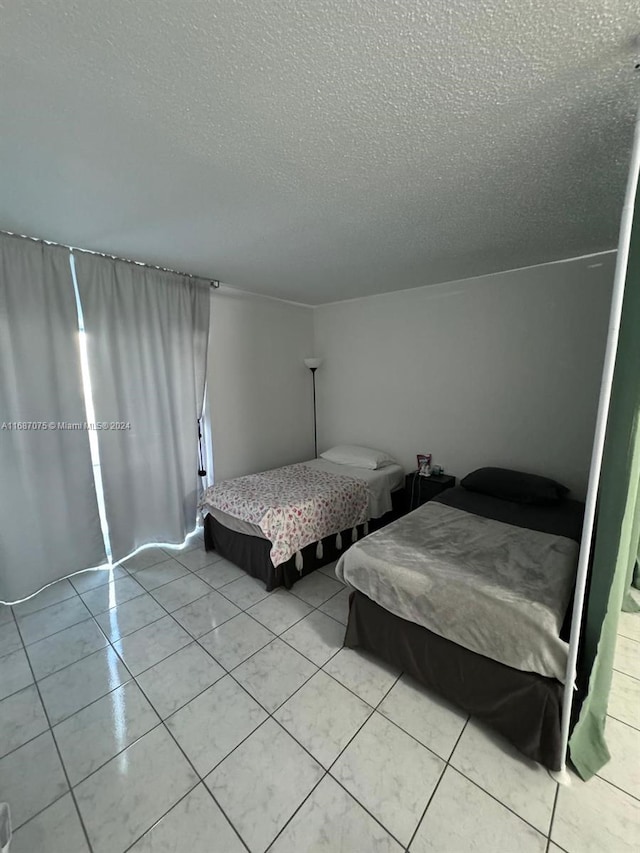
(497, 589)
(380, 482)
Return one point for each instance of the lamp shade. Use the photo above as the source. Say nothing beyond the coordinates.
(313, 363)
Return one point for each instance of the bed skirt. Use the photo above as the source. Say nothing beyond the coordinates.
(523, 707)
(252, 553)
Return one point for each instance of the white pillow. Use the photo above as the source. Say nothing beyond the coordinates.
(358, 457)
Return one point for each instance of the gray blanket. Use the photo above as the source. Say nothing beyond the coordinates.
(491, 587)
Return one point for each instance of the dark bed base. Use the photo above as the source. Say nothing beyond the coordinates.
(522, 706)
(251, 553)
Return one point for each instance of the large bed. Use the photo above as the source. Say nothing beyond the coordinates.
(282, 524)
(471, 594)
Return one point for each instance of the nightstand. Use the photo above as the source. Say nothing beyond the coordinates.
(419, 489)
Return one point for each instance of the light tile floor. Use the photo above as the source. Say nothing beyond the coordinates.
(174, 705)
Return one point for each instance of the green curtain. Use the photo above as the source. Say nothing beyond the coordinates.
(617, 529)
(631, 604)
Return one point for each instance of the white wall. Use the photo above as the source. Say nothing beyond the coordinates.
(498, 370)
(259, 389)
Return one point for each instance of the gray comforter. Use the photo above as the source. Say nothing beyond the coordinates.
(494, 588)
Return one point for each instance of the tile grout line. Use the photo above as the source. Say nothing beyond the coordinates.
(624, 722)
(229, 672)
(269, 714)
(628, 674)
(166, 727)
(174, 738)
(328, 769)
(497, 800)
(59, 754)
(170, 733)
(433, 793)
(553, 814)
(617, 787)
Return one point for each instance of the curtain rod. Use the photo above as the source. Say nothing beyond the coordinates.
(213, 282)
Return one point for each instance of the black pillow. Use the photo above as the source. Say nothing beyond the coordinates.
(514, 486)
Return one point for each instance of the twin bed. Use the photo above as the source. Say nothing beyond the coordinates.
(280, 525)
(470, 594)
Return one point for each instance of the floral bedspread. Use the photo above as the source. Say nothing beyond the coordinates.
(293, 506)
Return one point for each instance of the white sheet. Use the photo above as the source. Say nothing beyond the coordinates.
(381, 483)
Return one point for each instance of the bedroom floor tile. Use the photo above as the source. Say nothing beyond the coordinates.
(629, 626)
(338, 606)
(624, 699)
(123, 799)
(279, 611)
(111, 594)
(214, 723)
(316, 588)
(151, 644)
(522, 785)
(329, 570)
(463, 817)
(44, 623)
(365, 675)
(236, 640)
(209, 612)
(235, 740)
(430, 719)
(72, 688)
(196, 824)
(22, 717)
(323, 716)
(145, 558)
(627, 657)
(274, 673)
(65, 647)
(180, 592)
(281, 775)
(624, 746)
(154, 576)
(92, 736)
(54, 594)
(196, 558)
(391, 774)
(317, 636)
(57, 830)
(331, 821)
(129, 617)
(594, 816)
(93, 578)
(16, 673)
(220, 573)
(179, 678)
(31, 778)
(9, 638)
(245, 591)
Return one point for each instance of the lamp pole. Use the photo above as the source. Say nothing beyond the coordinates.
(315, 423)
(313, 364)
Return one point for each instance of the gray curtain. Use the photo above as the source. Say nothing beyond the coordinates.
(49, 522)
(146, 333)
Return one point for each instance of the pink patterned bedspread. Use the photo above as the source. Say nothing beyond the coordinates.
(293, 506)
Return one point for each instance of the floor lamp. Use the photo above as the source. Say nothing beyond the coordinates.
(313, 364)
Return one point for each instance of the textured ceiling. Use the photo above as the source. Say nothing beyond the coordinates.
(319, 149)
